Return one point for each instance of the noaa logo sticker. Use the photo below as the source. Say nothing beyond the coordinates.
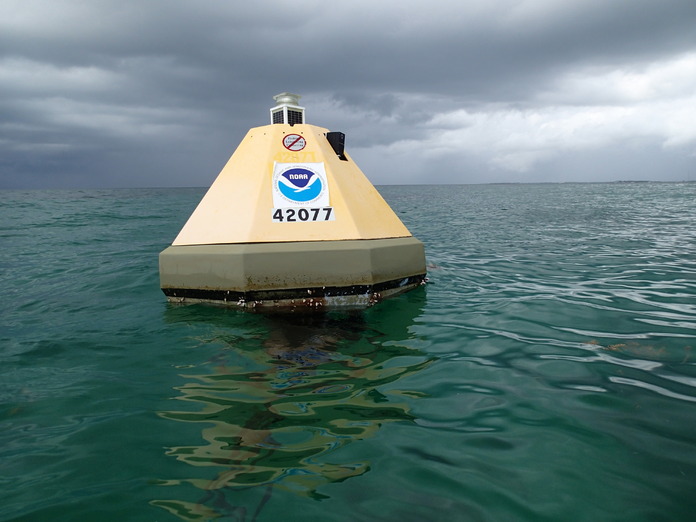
(299, 184)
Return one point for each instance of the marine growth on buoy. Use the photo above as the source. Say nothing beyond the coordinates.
(291, 221)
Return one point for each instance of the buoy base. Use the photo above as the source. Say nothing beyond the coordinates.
(311, 274)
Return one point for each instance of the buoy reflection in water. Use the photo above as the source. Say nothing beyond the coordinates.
(276, 408)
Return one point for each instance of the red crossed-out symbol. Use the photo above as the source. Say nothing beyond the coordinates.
(294, 142)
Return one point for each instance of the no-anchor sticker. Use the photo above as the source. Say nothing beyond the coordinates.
(294, 142)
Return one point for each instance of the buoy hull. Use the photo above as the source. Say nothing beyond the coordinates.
(291, 221)
(305, 274)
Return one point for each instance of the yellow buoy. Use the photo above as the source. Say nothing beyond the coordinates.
(291, 221)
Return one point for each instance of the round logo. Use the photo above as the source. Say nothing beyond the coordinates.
(299, 184)
(294, 142)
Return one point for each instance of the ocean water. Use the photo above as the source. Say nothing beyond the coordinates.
(547, 371)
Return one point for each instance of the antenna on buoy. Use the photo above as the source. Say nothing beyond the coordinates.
(288, 109)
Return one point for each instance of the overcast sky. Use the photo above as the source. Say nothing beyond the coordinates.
(119, 93)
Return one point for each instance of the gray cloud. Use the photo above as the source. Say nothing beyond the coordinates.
(159, 93)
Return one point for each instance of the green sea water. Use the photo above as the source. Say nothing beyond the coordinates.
(547, 371)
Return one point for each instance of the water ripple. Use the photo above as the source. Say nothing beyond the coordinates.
(550, 359)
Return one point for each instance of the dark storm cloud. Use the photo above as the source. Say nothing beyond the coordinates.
(110, 93)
